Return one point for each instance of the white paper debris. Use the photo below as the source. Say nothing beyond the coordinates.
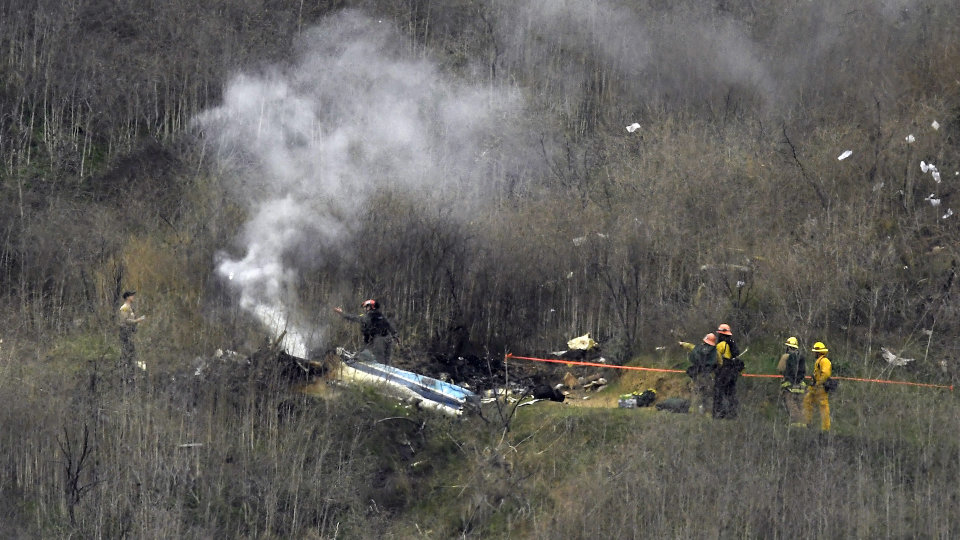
(845, 155)
(741, 284)
(633, 127)
(935, 125)
(578, 241)
(893, 359)
(911, 139)
(948, 214)
(936, 176)
(924, 167)
(934, 202)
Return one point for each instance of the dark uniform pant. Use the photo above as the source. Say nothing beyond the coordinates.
(725, 401)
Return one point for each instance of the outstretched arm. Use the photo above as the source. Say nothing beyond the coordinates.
(353, 318)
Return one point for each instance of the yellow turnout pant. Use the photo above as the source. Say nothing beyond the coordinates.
(816, 394)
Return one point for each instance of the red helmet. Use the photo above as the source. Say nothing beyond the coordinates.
(372, 304)
(710, 339)
(724, 329)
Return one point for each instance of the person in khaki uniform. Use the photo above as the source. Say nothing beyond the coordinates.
(128, 321)
(816, 392)
(792, 367)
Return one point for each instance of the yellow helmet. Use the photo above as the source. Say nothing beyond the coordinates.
(820, 347)
(792, 343)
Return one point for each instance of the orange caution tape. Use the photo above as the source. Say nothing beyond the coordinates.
(758, 375)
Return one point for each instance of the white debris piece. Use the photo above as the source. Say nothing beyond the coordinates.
(633, 127)
(142, 365)
(845, 155)
(936, 176)
(935, 125)
(948, 214)
(893, 359)
(578, 241)
(932, 199)
(741, 284)
(911, 139)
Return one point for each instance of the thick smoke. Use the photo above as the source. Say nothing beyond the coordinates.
(689, 51)
(311, 142)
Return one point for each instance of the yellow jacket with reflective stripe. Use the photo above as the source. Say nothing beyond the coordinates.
(723, 351)
(821, 370)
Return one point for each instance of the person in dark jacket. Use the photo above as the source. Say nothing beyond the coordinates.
(725, 402)
(703, 363)
(792, 366)
(378, 334)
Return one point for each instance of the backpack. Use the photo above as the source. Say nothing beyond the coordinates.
(831, 385)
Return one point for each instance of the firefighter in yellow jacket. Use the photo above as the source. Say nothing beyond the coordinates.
(816, 392)
(725, 403)
(792, 366)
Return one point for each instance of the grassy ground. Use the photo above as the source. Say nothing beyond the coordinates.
(587, 469)
(245, 456)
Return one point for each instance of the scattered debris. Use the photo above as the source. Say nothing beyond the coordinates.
(531, 402)
(893, 359)
(935, 125)
(597, 384)
(190, 445)
(545, 391)
(633, 127)
(426, 392)
(583, 343)
(948, 214)
(911, 139)
(845, 155)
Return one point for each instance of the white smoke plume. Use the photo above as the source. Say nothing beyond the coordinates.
(309, 143)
